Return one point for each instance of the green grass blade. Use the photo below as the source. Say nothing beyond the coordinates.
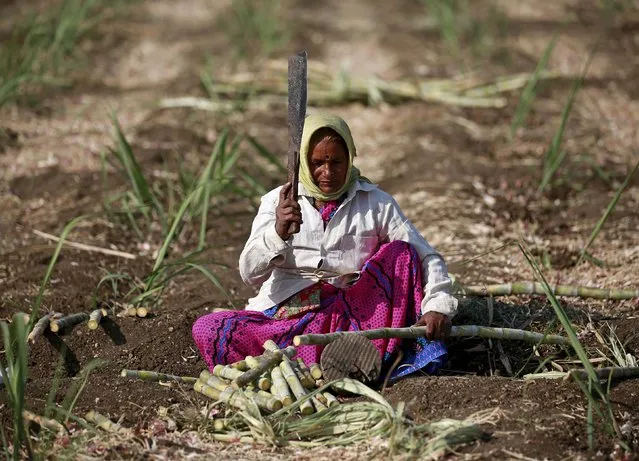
(205, 185)
(267, 155)
(149, 292)
(113, 278)
(560, 313)
(253, 182)
(173, 230)
(14, 338)
(71, 398)
(228, 162)
(550, 171)
(141, 189)
(593, 380)
(553, 156)
(47, 276)
(609, 209)
(50, 407)
(590, 428)
(529, 93)
(7, 369)
(206, 78)
(214, 280)
(5, 444)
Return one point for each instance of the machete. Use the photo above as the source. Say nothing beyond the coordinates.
(297, 93)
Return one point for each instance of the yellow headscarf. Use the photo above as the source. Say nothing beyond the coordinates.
(312, 123)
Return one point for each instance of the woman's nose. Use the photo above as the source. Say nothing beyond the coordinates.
(327, 170)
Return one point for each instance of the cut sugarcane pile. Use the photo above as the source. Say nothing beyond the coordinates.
(57, 322)
(278, 400)
(271, 381)
(253, 419)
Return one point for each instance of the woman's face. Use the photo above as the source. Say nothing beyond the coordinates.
(328, 161)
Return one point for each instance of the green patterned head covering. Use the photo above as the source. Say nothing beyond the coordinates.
(312, 123)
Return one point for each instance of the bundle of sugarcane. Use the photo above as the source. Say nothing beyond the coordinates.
(353, 423)
(329, 87)
(272, 381)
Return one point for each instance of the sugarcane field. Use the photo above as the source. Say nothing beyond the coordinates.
(284, 229)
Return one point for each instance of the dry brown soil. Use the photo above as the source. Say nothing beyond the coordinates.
(455, 172)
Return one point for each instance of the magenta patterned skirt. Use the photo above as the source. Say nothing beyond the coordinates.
(388, 294)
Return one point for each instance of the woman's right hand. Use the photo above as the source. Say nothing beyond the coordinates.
(288, 213)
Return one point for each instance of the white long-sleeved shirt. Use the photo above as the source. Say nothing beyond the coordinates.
(367, 218)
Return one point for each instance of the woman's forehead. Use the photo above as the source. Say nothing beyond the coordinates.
(328, 146)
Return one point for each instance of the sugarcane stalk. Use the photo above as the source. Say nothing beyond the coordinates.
(419, 332)
(216, 394)
(154, 376)
(219, 424)
(47, 423)
(95, 318)
(141, 311)
(215, 382)
(68, 321)
(288, 351)
(296, 387)
(41, 325)
(208, 391)
(305, 374)
(319, 406)
(259, 370)
(261, 398)
(279, 387)
(294, 383)
(331, 400)
(226, 372)
(103, 422)
(322, 398)
(606, 373)
(530, 288)
(231, 438)
(316, 371)
(241, 365)
(236, 398)
(545, 375)
(129, 311)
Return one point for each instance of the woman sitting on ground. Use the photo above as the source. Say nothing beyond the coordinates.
(356, 263)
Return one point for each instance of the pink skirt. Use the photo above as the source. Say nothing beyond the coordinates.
(388, 294)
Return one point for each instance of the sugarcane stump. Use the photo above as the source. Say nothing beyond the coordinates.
(351, 357)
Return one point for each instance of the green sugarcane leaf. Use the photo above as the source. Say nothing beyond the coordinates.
(267, 155)
(214, 280)
(609, 209)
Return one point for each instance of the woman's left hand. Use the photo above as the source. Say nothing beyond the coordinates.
(437, 325)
